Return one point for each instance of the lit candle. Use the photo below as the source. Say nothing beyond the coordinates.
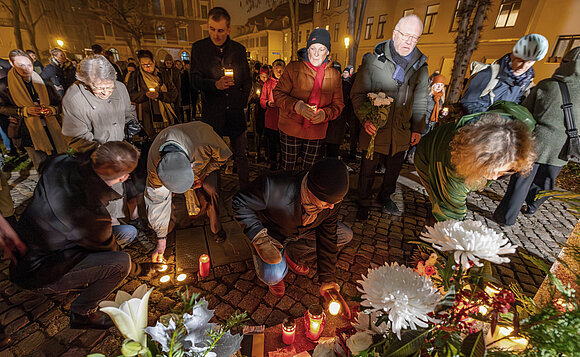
(334, 308)
(314, 320)
(445, 111)
(228, 72)
(165, 278)
(288, 331)
(181, 277)
(163, 268)
(151, 89)
(204, 265)
(491, 290)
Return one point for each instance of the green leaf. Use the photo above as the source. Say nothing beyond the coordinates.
(473, 345)
(411, 342)
(96, 355)
(447, 301)
(384, 318)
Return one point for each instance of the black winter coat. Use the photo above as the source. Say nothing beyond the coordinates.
(273, 202)
(222, 109)
(61, 77)
(66, 220)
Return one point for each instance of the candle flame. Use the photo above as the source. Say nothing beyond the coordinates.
(181, 277)
(165, 278)
(163, 268)
(151, 89)
(491, 290)
(334, 307)
(204, 258)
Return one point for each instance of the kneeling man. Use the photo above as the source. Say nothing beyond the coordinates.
(292, 218)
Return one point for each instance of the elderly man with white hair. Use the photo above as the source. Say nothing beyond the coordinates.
(96, 109)
(398, 69)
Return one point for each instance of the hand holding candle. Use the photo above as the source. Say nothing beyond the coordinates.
(335, 302)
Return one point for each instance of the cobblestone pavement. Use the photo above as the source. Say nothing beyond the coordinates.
(39, 325)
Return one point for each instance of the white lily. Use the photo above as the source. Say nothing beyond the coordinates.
(129, 313)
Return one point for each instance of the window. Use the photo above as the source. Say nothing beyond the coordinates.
(108, 29)
(564, 44)
(318, 5)
(381, 26)
(182, 33)
(184, 56)
(157, 7)
(299, 36)
(203, 11)
(160, 32)
(307, 34)
(328, 5)
(179, 9)
(338, 3)
(115, 53)
(369, 27)
(508, 13)
(430, 18)
(204, 33)
(455, 21)
(408, 12)
(264, 41)
(336, 31)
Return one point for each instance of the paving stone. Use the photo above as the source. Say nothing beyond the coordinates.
(75, 352)
(249, 303)
(53, 348)
(90, 338)
(285, 303)
(297, 310)
(16, 325)
(261, 314)
(68, 335)
(31, 343)
(276, 317)
(223, 311)
(10, 315)
(234, 297)
(107, 346)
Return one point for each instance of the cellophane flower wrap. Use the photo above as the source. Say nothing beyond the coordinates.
(375, 110)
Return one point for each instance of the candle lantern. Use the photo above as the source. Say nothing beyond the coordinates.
(334, 307)
(204, 265)
(314, 321)
(288, 331)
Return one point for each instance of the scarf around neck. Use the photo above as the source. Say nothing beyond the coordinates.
(435, 113)
(152, 81)
(401, 63)
(316, 93)
(309, 210)
(520, 81)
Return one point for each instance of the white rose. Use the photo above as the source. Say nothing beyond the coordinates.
(359, 342)
(372, 95)
(325, 349)
(382, 95)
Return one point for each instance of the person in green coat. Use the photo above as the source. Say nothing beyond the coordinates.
(457, 158)
(545, 103)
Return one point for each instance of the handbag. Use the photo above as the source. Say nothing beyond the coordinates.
(571, 149)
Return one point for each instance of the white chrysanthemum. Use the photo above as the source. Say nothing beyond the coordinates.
(404, 295)
(362, 322)
(470, 241)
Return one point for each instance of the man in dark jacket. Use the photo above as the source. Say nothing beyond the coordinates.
(545, 103)
(175, 75)
(507, 79)
(399, 70)
(60, 71)
(68, 233)
(294, 218)
(219, 70)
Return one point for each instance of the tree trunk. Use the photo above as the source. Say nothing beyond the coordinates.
(356, 36)
(294, 6)
(353, 5)
(16, 23)
(31, 26)
(466, 42)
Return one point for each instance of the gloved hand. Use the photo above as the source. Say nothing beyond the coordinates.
(268, 248)
(318, 117)
(303, 109)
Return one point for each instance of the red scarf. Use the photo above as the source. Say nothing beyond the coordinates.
(314, 98)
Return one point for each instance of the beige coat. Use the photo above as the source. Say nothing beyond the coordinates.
(206, 151)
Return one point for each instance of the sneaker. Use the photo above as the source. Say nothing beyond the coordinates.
(362, 214)
(220, 236)
(296, 268)
(390, 206)
(96, 320)
(277, 289)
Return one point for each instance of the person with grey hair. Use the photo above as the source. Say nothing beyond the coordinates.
(398, 69)
(96, 110)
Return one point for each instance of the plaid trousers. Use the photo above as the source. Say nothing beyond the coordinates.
(294, 148)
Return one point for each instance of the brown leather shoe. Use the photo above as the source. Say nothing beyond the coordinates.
(277, 289)
(296, 268)
(268, 249)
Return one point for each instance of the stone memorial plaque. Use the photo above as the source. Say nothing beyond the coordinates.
(190, 243)
(236, 248)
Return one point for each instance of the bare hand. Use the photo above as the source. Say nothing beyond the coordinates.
(152, 95)
(270, 104)
(370, 128)
(159, 250)
(331, 292)
(415, 137)
(10, 241)
(319, 117)
(224, 83)
(35, 111)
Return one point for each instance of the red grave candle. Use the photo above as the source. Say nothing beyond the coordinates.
(288, 331)
(204, 265)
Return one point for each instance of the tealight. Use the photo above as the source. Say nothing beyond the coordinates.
(181, 277)
(334, 308)
(162, 268)
(165, 278)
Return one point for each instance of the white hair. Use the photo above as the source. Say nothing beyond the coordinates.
(407, 19)
(94, 68)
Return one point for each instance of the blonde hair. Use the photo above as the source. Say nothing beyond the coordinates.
(480, 148)
(114, 159)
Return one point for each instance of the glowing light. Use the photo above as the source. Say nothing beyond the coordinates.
(165, 278)
(204, 265)
(483, 310)
(151, 89)
(505, 331)
(491, 290)
(163, 268)
(181, 277)
(60, 43)
(334, 308)
(346, 41)
(228, 72)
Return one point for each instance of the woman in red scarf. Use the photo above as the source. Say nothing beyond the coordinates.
(271, 121)
(309, 95)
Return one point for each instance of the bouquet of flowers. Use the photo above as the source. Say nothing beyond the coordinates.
(376, 110)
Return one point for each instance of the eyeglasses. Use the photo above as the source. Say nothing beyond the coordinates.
(103, 89)
(406, 37)
(147, 65)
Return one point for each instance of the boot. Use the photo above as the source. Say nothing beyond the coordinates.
(277, 289)
(268, 249)
(296, 268)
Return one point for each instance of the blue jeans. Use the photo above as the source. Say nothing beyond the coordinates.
(124, 234)
(303, 248)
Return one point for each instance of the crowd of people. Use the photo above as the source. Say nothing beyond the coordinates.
(80, 125)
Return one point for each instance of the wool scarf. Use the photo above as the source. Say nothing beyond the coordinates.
(310, 209)
(316, 93)
(152, 81)
(524, 79)
(35, 125)
(435, 113)
(401, 63)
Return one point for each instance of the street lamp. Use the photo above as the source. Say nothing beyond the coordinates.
(346, 43)
(60, 43)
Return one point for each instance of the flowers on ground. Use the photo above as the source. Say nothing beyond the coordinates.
(359, 342)
(470, 241)
(404, 295)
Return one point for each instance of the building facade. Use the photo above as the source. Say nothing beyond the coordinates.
(506, 22)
